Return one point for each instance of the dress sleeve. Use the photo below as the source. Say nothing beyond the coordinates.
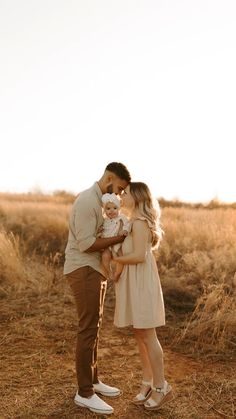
(144, 219)
(126, 223)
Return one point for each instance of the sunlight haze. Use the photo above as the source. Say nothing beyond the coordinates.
(149, 83)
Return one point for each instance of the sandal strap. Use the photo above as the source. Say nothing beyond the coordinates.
(158, 389)
(162, 390)
(147, 383)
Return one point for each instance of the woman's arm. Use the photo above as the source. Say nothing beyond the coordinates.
(140, 234)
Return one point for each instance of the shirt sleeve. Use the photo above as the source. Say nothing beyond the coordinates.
(85, 223)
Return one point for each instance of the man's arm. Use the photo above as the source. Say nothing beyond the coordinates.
(104, 242)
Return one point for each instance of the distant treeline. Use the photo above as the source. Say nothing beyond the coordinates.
(214, 203)
(66, 197)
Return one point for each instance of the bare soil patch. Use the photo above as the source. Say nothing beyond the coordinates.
(37, 343)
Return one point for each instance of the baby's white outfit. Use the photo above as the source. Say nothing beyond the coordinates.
(111, 227)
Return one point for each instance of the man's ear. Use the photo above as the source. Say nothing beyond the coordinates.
(109, 178)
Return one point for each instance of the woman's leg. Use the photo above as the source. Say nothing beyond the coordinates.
(153, 356)
(144, 358)
(146, 384)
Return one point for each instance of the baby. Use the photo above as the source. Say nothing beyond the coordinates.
(114, 224)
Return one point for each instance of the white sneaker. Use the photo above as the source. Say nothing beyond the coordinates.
(93, 403)
(106, 390)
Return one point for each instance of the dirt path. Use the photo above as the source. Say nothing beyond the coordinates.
(37, 367)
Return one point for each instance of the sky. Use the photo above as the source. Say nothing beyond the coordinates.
(150, 83)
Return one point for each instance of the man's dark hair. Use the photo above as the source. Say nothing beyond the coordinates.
(119, 170)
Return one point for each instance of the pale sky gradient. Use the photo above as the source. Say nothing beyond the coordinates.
(149, 83)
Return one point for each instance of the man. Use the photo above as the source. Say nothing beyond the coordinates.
(84, 272)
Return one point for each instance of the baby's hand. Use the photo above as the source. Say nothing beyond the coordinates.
(124, 233)
(99, 232)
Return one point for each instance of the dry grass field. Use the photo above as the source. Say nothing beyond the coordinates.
(197, 265)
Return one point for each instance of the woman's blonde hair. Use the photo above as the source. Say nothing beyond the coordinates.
(148, 209)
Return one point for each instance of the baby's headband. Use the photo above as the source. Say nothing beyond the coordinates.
(110, 197)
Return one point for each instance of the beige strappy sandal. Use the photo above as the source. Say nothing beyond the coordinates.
(142, 397)
(165, 391)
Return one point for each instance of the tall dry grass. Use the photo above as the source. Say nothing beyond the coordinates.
(41, 227)
(196, 261)
(197, 258)
(33, 233)
(12, 269)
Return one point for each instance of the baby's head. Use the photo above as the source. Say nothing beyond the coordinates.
(111, 205)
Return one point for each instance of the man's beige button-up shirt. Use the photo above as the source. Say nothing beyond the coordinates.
(84, 222)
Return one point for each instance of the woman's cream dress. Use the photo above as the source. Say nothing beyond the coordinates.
(139, 298)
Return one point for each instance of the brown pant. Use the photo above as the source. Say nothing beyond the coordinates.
(89, 289)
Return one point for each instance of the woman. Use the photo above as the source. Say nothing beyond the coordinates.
(139, 299)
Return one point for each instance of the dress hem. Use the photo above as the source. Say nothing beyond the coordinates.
(140, 327)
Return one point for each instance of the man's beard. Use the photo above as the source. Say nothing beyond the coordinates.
(110, 189)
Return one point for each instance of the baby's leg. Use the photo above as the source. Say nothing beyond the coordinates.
(118, 268)
(106, 260)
